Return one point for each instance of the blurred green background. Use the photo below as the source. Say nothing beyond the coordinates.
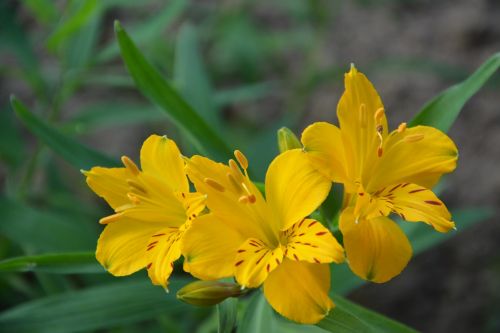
(248, 68)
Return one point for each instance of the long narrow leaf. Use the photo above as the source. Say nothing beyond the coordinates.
(227, 315)
(61, 263)
(156, 88)
(95, 308)
(442, 111)
(69, 149)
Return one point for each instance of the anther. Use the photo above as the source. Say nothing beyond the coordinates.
(378, 115)
(214, 184)
(110, 218)
(130, 165)
(402, 127)
(242, 160)
(136, 186)
(233, 182)
(243, 199)
(234, 167)
(362, 115)
(380, 129)
(414, 138)
(134, 199)
(380, 151)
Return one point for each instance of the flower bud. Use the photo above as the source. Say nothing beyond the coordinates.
(287, 140)
(206, 293)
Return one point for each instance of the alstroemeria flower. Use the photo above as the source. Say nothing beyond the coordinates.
(153, 209)
(265, 241)
(382, 173)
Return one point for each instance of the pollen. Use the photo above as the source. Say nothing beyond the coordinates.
(242, 160)
(414, 137)
(402, 127)
(214, 184)
(130, 165)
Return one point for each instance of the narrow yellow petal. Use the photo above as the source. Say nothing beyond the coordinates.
(163, 249)
(417, 204)
(161, 157)
(299, 291)
(377, 249)
(110, 184)
(121, 248)
(254, 261)
(310, 241)
(209, 247)
(294, 188)
(419, 155)
(324, 146)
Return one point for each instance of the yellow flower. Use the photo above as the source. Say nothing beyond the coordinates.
(265, 241)
(153, 209)
(382, 173)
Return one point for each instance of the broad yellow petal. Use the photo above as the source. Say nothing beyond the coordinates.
(209, 247)
(294, 188)
(361, 117)
(110, 184)
(254, 261)
(224, 188)
(161, 158)
(377, 249)
(122, 246)
(417, 204)
(163, 249)
(324, 146)
(309, 240)
(419, 155)
(299, 291)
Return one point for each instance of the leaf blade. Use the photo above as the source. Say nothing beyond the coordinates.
(60, 263)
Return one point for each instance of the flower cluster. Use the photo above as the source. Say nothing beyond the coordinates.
(229, 228)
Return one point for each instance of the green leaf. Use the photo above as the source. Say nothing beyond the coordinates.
(350, 317)
(69, 149)
(191, 78)
(443, 109)
(156, 88)
(60, 263)
(258, 317)
(95, 308)
(227, 311)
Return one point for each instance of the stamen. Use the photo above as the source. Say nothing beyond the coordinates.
(402, 127)
(362, 115)
(378, 115)
(233, 182)
(414, 137)
(135, 200)
(242, 160)
(110, 218)
(243, 199)
(235, 170)
(136, 186)
(130, 165)
(214, 184)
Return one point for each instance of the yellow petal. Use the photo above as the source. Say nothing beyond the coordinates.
(121, 248)
(377, 249)
(163, 249)
(161, 157)
(323, 143)
(254, 261)
(299, 291)
(419, 155)
(294, 189)
(360, 116)
(110, 184)
(309, 240)
(209, 247)
(224, 188)
(418, 204)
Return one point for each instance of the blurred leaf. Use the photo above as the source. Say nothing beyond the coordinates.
(258, 317)
(45, 11)
(190, 75)
(11, 144)
(95, 308)
(149, 31)
(152, 85)
(422, 237)
(81, 12)
(442, 111)
(75, 153)
(227, 315)
(106, 115)
(44, 231)
(243, 94)
(60, 263)
(350, 317)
